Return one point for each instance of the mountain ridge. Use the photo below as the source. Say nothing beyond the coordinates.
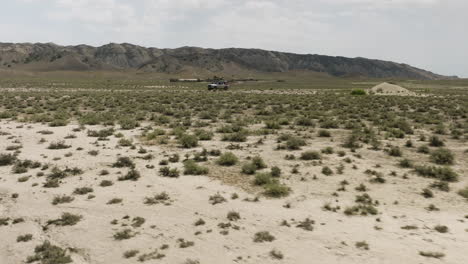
(196, 61)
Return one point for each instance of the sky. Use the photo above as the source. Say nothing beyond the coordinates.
(429, 34)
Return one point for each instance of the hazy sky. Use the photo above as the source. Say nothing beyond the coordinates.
(431, 34)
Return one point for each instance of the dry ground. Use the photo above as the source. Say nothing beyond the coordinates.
(334, 239)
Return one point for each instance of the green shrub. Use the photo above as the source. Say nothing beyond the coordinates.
(188, 141)
(275, 171)
(310, 155)
(67, 219)
(324, 133)
(240, 136)
(358, 92)
(168, 172)
(132, 175)
(83, 190)
(406, 163)
(227, 159)
(442, 156)
(258, 162)
(249, 168)
(123, 162)
(440, 173)
(47, 253)
(263, 178)
(24, 238)
(58, 145)
(62, 199)
(192, 168)
(395, 151)
(295, 143)
(434, 141)
(327, 171)
(276, 190)
(464, 192)
(7, 159)
(263, 236)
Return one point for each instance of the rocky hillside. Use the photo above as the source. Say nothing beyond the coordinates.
(51, 57)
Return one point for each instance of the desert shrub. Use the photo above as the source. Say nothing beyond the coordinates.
(258, 162)
(204, 134)
(440, 185)
(227, 159)
(327, 171)
(272, 124)
(124, 234)
(157, 198)
(123, 142)
(115, 201)
(62, 199)
(217, 199)
(276, 190)
(427, 193)
(442, 156)
(46, 253)
(262, 179)
(263, 236)
(192, 168)
(174, 158)
(130, 253)
(352, 142)
(168, 172)
(463, 192)
(310, 155)
(328, 150)
(430, 254)
(83, 190)
(67, 219)
(362, 245)
(123, 162)
(295, 143)
(361, 209)
(188, 141)
(324, 133)
(275, 171)
(276, 254)
(7, 159)
(240, 136)
(304, 121)
(423, 149)
(132, 175)
(434, 141)
(24, 238)
(358, 92)
(249, 168)
(58, 145)
(106, 183)
(103, 133)
(233, 216)
(440, 173)
(405, 163)
(395, 151)
(127, 123)
(441, 228)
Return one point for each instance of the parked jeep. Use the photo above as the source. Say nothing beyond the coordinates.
(218, 85)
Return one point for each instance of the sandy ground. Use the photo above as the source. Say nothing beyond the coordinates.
(391, 89)
(331, 241)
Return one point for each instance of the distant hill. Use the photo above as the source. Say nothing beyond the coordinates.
(196, 61)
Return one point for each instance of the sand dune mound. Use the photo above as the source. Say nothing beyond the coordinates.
(390, 89)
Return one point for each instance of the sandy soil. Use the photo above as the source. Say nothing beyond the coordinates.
(391, 89)
(332, 239)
